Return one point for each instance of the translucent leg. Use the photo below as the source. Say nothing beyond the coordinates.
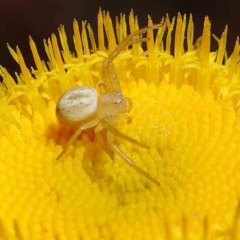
(76, 134)
(103, 144)
(129, 40)
(102, 88)
(129, 104)
(107, 64)
(114, 131)
(115, 148)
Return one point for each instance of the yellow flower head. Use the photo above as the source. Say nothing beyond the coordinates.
(185, 110)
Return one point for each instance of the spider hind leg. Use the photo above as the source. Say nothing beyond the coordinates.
(111, 132)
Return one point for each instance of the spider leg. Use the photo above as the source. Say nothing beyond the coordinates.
(76, 134)
(129, 41)
(114, 131)
(115, 148)
(107, 64)
(101, 141)
(102, 88)
(129, 104)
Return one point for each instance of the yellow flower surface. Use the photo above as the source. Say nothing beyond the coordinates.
(185, 109)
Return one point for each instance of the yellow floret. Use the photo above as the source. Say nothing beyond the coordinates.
(185, 109)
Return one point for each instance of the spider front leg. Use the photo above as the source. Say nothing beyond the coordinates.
(108, 69)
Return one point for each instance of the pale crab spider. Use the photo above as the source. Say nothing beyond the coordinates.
(83, 108)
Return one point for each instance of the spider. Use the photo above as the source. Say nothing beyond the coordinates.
(81, 107)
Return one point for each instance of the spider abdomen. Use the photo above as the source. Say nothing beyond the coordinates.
(77, 105)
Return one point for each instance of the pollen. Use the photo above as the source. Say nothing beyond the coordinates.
(185, 109)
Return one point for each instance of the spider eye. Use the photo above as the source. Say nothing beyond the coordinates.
(77, 105)
(118, 97)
